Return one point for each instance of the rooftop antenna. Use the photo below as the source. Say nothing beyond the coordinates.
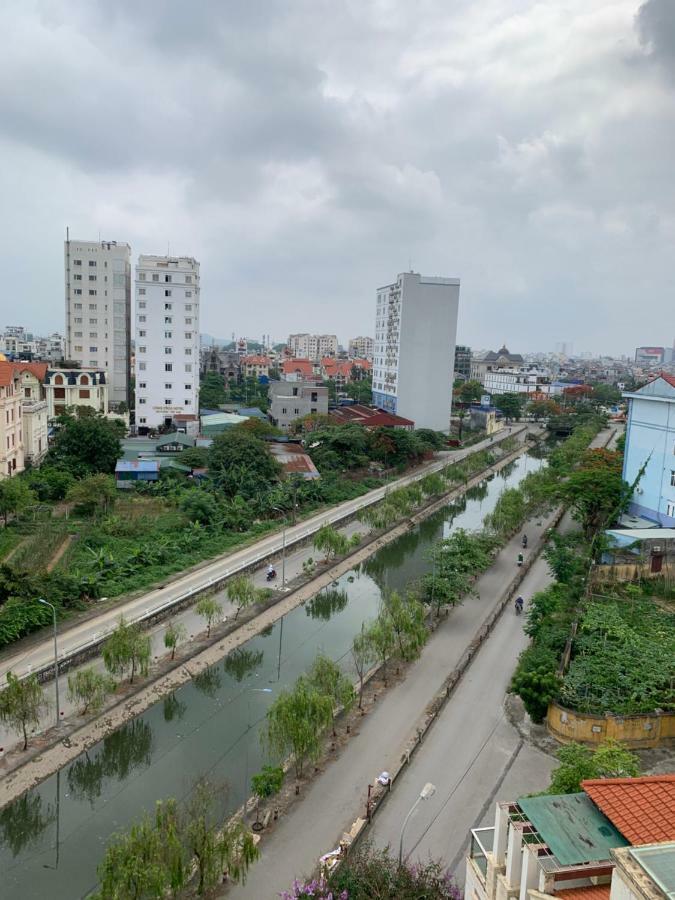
(168, 248)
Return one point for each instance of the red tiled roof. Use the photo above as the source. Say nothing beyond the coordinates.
(643, 809)
(35, 368)
(255, 360)
(304, 366)
(669, 378)
(359, 414)
(590, 892)
(8, 372)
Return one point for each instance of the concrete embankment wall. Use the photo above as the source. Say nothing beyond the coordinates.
(637, 732)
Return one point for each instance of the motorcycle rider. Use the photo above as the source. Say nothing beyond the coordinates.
(519, 605)
(524, 541)
(271, 572)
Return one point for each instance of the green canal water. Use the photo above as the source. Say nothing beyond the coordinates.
(53, 838)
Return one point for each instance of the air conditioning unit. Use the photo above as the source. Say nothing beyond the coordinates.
(657, 548)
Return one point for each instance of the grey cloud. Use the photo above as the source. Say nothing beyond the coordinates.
(656, 28)
(306, 150)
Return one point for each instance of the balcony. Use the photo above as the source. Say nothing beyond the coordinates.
(481, 844)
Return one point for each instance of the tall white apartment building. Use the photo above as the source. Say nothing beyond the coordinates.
(167, 339)
(414, 355)
(312, 346)
(361, 348)
(98, 310)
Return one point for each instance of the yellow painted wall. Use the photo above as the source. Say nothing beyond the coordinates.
(634, 731)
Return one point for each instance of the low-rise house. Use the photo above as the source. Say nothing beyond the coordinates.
(636, 553)
(34, 411)
(255, 366)
(293, 459)
(342, 371)
(219, 422)
(369, 417)
(292, 400)
(129, 472)
(485, 417)
(298, 370)
(11, 421)
(65, 388)
(565, 846)
(649, 455)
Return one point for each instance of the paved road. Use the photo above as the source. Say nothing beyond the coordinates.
(472, 754)
(335, 798)
(337, 795)
(35, 654)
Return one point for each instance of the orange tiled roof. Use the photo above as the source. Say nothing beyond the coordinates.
(8, 373)
(304, 366)
(36, 368)
(255, 360)
(643, 809)
(590, 892)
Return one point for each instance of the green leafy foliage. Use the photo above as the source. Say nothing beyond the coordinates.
(240, 463)
(89, 688)
(210, 610)
(21, 703)
(15, 496)
(327, 677)
(579, 763)
(295, 722)
(623, 658)
(86, 446)
(127, 648)
(93, 494)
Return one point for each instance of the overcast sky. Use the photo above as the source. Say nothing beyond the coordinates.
(307, 151)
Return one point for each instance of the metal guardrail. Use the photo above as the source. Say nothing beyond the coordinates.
(328, 518)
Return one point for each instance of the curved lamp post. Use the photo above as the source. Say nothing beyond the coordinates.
(56, 658)
(427, 791)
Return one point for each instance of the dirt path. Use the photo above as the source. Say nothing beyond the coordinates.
(60, 550)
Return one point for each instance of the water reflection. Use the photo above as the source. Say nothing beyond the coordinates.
(242, 661)
(23, 822)
(209, 681)
(173, 708)
(122, 751)
(327, 604)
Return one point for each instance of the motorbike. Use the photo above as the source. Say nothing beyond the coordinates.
(521, 559)
(272, 575)
(519, 606)
(524, 541)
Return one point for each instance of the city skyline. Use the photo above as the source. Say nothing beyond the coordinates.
(302, 172)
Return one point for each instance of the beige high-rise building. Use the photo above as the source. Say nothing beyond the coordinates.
(98, 311)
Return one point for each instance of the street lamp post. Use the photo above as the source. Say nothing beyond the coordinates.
(56, 658)
(427, 791)
(283, 548)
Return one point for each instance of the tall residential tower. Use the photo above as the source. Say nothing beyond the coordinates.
(414, 357)
(167, 339)
(98, 311)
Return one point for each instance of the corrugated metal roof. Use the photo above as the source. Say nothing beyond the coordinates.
(573, 827)
(137, 465)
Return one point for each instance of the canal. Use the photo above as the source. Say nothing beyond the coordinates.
(53, 837)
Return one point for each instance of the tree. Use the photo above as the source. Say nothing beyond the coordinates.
(86, 446)
(49, 483)
(536, 686)
(93, 494)
(200, 506)
(90, 688)
(21, 703)
(266, 784)
(195, 457)
(15, 496)
(295, 722)
(510, 404)
(579, 763)
(132, 866)
(326, 676)
(241, 463)
(328, 540)
(380, 633)
(596, 491)
(461, 415)
(406, 615)
(127, 647)
(364, 655)
(243, 593)
(471, 391)
(209, 609)
(212, 391)
(174, 634)
(214, 845)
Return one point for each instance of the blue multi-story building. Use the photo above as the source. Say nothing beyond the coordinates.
(650, 442)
